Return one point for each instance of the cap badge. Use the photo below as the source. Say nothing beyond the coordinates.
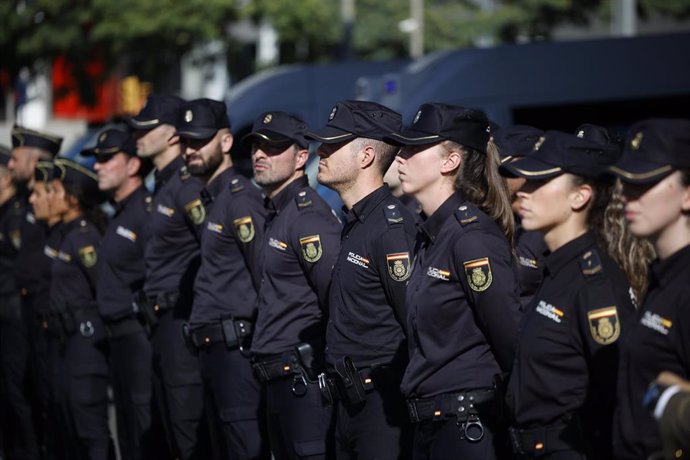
(581, 133)
(636, 141)
(268, 118)
(540, 141)
(188, 116)
(332, 115)
(416, 117)
(102, 137)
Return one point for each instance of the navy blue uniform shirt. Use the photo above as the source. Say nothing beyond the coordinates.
(30, 258)
(300, 246)
(229, 244)
(367, 297)
(462, 301)
(567, 358)
(122, 255)
(529, 249)
(11, 215)
(658, 340)
(75, 271)
(175, 222)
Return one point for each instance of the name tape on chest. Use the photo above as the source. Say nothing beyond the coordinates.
(277, 244)
(166, 211)
(126, 233)
(357, 259)
(549, 311)
(215, 228)
(656, 322)
(438, 273)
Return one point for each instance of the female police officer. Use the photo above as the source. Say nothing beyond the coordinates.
(73, 297)
(561, 388)
(462, 296)
(655, 170)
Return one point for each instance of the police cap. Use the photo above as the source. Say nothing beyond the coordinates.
(201, 119)
(557, 152)
(435, 122)
(24, 137)
(515, 141)
(159, 109)
(43, 171)
(596, 133)
(110, 142)
(351, 119)
(653, 149)
(278, 128)
(78, 177)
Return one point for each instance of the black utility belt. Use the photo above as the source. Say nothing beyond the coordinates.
(149, 308)
(75, 320)
(344, 382)
(49, 321)
(298, 363)
(232, 332)
(451, 405)
(535, 442)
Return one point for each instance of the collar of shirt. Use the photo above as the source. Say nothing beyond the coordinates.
(167, 172)
(662, 272)
(366, 205)
(564, 255)
(218, 183)
(67, 227)
(283, 198)
(432, 225)
(120, 205)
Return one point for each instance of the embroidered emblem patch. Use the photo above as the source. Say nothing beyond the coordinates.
(311, 248)
(399, 265)
(478, 274)
(604, 325)
(244, 228)
(196, 211)
(16, 238)
(88, 256)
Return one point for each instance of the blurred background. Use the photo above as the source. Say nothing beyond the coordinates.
(72, 66)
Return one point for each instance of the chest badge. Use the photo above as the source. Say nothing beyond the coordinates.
(311, 248)
(398, 265)
(604, 325)
(196, 211)
(478, 273)
(244, 228)
(88, 256)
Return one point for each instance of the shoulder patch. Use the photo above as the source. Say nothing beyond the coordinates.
(16, 238)
(590, 264)
(392, 213)
(303, 199)
(478, 273)
(311, 248)
(604, 325)
(244, 228)
(184, 173)
(465, 215)
(196, 211)
(88, 256)
(236, 186)
(399, 265)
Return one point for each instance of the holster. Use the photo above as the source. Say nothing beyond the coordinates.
(144, 310)
(189, 339)
(66, 317)
(349, 381)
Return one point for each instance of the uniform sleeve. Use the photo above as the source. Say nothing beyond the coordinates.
(86, 248)
(488, 275)
(316, 238)
(190, 205)
(247, 223)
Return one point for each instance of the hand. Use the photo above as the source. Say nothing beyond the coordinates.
(668, 378)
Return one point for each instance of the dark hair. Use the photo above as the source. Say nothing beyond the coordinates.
(385, 153)
(89, 203)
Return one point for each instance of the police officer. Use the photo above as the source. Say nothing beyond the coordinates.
(224, 307)
(172, 260)
(515, 142)
(462, 295)
(298, 252)
(569, 337)
(366, 324)
(122, 269)
(73, 298)
(655, 170)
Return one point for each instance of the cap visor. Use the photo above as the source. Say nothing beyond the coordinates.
(530, 169)
(638, 171)
(267, 136)
(88, 152)
(330, 135)
(412, 137)
(142, 124)
(199, 133)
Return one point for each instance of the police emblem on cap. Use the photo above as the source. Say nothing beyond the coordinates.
(636, 141)
(244, 228)
(581, 133)
(478, 273)
(268, 118)
(102, 137)
(537, 145)
(332, 115)
(399, 265)
(311, 248)
(416, 117)
(88, 256)
(604, 325)
(188, 116)
(196, 211)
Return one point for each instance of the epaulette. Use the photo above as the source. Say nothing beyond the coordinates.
(392, 214)
(236, 186)
(303, 199)
(184, 173)
(590, 263)
(465, 215)
(83, 226)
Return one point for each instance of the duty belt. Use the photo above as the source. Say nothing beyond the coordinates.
(449, 405)
(277, 366)
(533, 442)
(164, 301)
(231, 332)
(344, 382)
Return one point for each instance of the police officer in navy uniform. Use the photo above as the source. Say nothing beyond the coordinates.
(366, 324)
(655, 170)
(462, 296)
(515, 142)
(299, 249)
(569, 337)
(172, 260)
(224, 307)
(122, 270)
(73, 298)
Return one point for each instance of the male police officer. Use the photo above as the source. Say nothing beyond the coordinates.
(172, 259)
(366, 326)
(122, 269)
(224, 293)
(299, 248)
